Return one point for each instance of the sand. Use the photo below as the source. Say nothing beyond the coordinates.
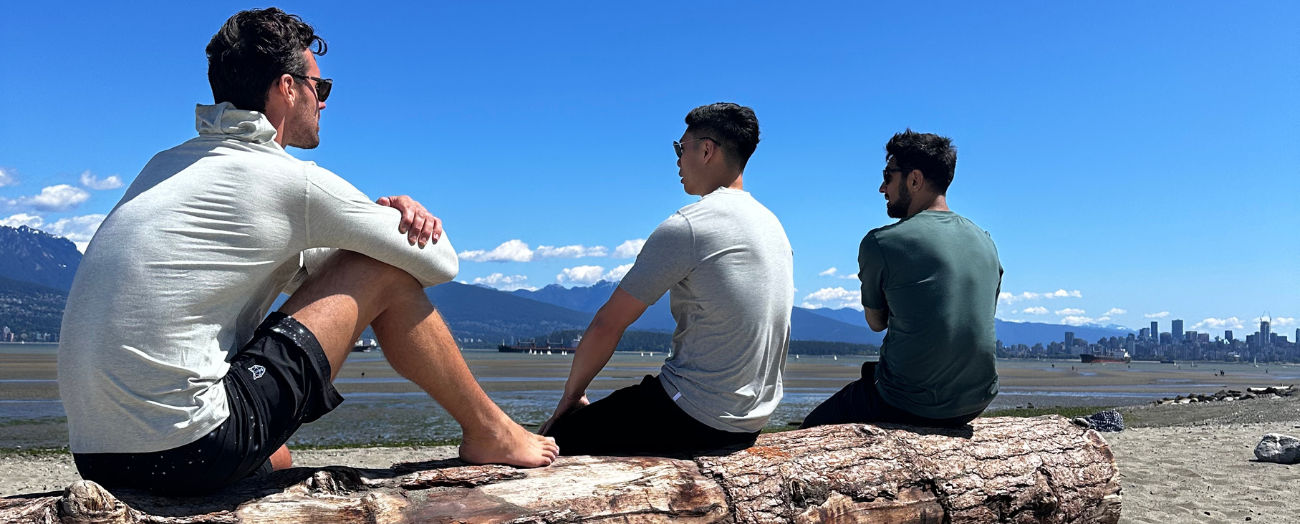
(1178, 463)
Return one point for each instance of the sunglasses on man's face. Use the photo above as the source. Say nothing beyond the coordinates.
(677, 146)
(322, 86)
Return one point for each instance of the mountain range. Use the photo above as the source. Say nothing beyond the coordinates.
(36, 267)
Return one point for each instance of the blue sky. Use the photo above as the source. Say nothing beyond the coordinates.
(1138, 160)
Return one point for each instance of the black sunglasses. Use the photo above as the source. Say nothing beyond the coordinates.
(322, 86)
(677, 146)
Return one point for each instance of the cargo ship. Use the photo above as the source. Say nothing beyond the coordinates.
(1089, 358)
(547, 348)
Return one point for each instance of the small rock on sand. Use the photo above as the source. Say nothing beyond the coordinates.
(1276, 447)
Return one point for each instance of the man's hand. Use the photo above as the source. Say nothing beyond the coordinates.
(567, 404)
(419, 225)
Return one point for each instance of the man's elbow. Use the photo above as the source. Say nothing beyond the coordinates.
(877, 327)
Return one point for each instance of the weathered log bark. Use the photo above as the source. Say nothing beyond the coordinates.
(998, 470)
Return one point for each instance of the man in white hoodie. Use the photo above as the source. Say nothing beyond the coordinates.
(172, 379)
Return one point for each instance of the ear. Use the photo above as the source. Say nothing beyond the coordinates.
(915, 180)
(282, 88)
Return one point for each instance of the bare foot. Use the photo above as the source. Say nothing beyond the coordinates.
(509, 443)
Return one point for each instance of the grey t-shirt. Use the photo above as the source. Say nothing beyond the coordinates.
(185, 267)
(729, 267)
(938, 275)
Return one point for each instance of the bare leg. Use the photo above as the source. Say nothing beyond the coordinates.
(281, 459)
(353, 291)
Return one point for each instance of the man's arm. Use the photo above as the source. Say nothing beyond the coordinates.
(878, 319)
(595, 349)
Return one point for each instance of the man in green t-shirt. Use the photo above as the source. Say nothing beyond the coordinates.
(933, 279)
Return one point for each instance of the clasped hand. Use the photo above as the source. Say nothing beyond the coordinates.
(419, 225)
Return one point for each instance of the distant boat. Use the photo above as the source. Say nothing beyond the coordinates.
(532, 347)
(1088, 358)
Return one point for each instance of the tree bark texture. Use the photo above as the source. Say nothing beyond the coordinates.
(996, 470)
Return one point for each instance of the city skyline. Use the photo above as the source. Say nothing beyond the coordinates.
(1119, 162)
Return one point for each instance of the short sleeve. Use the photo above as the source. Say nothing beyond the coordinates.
(871, 271)
(667, 257)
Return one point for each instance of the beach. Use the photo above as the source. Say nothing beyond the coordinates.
(1177, 463)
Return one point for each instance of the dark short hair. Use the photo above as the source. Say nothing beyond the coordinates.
(934, 155)
(252, 50)
(733, 126)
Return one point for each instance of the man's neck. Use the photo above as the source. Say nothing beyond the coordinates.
(938, 203)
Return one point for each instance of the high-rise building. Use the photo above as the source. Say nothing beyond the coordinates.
(1227, 335)
(1177, 331)
(1155, 331)
(1264, 338)
(1144, 333)
(1069, 341)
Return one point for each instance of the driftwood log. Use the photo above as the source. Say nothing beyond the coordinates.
(997, 470)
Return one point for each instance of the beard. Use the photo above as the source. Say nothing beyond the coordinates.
(897, 208)
(305, 130)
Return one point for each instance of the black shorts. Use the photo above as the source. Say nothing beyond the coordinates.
(276, 382)
(860, 402)
(640, 420)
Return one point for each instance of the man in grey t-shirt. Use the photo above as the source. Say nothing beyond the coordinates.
(728, 267)
(933, 279)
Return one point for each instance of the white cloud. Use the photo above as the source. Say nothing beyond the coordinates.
(1161, 314)
(1216, 324)
(78, 229)
(1277, 322)
(514, 250)
(1070, 311)
(830, 272)
(1077, 320)
(1011, 298)
(580, 275)
(1116, 311)
(91, 181)
(60, 197)
(22, 219)
(629, 248)
(7, 177)
(504, 282)
(616, 274)
(834, 298)
(574, 251)
(1036, 310)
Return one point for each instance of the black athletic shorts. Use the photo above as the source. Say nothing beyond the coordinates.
(277, 382)
(860, 402)
(640, 420)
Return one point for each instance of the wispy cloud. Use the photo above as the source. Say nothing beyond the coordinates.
(79, 229)
(616, 274)
(834, 298)
(1216, 324)
(1070, 311)
(1161, 314)
(61, 197)
(574, 251)
(1276, 322)
(580, 275)
(22, 219)
(629, 248)
(1036, 310)
(91, 181)
(514, 250)
(1011, 298)
(1078, 320)
(7, 177)
(1116, 311)
(505, 282)
(829, 272)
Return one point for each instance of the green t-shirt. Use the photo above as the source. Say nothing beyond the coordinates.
(938, 276)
